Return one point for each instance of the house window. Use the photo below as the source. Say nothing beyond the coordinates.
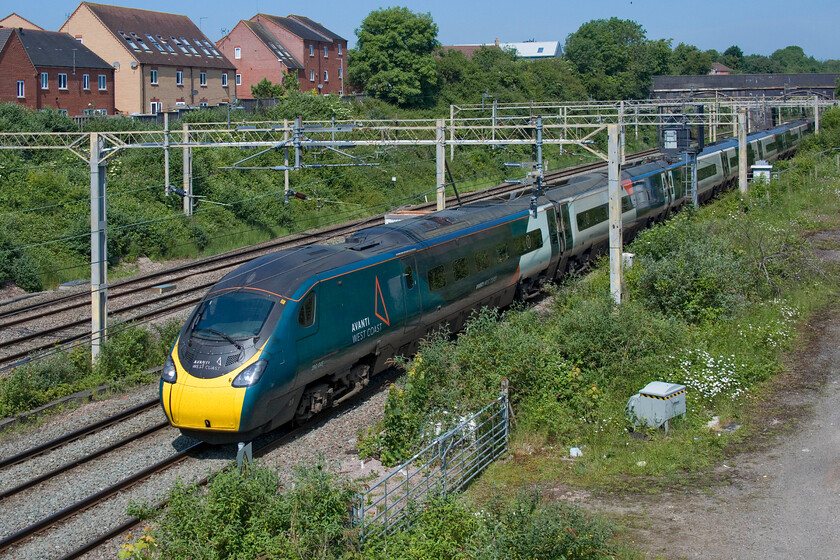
(153, 74)
(237, 52)
(202, 104)
(62, 112)
(339, 49)
(224, 79)
(340, 72)
(311, 50)
(20, 88)
(325, 51)
(326, 76)
(85, 81)
(103, 82)
(312, 75)
(62, 81)
(202, 79)
(45, 80)
(239, 79)
(179, 77)
(155, 107)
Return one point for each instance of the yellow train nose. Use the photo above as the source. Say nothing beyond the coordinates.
(199, 404)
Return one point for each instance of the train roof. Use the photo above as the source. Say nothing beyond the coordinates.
(284, 272)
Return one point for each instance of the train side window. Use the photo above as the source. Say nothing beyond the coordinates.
(626, 203)
(306, 316)
(409, 278)
(501, 252)
(534, 241)
(594, 216)
(706, 172)
(482, 260)
(462, 269)
(437, 278)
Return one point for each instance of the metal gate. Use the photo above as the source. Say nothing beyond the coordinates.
(444, 466)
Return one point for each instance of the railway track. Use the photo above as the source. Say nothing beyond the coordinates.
(194, 457)
(26, 336)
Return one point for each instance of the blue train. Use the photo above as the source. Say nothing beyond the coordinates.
(291, 333)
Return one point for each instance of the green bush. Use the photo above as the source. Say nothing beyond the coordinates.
(520, 526)
(683, 269)
(35, 384)
(252, 516)
(123, 361)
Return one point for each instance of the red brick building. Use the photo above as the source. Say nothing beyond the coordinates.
(46, 69)
(257, 54)
(267, 45)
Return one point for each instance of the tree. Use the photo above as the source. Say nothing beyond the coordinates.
(688, 60)
(614, 58)
(733, 57)
(395, 58)
(792, 59)
(264, 89)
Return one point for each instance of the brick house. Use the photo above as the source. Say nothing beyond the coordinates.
(314, 52)
(257, 54)
(14, 20)
(161, 60)
(46, 69)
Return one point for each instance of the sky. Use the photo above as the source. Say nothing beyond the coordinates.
(756, 27)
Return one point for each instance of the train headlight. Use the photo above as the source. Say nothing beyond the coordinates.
(169, 373)
(251, 374)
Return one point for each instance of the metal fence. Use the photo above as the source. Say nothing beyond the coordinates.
(446, 465)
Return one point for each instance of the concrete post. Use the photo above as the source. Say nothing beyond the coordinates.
(286, 160)
(616, 236)
(816, 115)
(166, 153)
(98, 246)
(452, 131)
(742, 151)
(440, 157)
(187, 173)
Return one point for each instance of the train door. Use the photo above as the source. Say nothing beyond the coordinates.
(411, 291)
(668, 186)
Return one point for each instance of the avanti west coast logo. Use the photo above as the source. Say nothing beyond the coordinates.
(363, 328)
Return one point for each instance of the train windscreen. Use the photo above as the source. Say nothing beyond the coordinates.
(237, 315)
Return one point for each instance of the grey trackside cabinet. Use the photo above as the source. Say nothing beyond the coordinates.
(657, 403)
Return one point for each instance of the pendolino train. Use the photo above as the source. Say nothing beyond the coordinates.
(294, 332)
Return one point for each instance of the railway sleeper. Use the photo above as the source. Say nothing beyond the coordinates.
(340, 386)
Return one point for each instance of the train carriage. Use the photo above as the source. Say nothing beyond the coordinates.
(289, 334)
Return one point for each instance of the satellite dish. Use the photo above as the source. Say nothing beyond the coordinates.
(195, 92)
(133, 64)
(116, 64)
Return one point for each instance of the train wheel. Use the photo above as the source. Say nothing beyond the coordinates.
(314, 400)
